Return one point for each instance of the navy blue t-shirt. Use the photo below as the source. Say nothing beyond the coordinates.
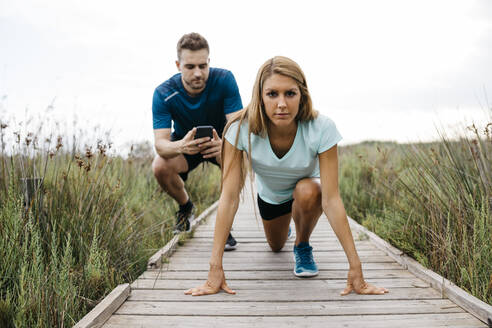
(171, 102)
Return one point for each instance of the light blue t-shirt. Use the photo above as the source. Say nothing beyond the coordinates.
(276, 177)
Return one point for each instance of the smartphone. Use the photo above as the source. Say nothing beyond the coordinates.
(204, 131)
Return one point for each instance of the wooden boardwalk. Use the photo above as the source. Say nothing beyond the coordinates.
(268, 293)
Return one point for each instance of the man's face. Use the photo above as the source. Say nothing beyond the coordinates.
(194, 69)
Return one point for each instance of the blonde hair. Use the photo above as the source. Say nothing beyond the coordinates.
(255, 114)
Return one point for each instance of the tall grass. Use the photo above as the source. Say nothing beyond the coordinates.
(92, 224)
(432, 200)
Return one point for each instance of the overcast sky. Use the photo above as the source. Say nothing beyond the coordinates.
(385, 70)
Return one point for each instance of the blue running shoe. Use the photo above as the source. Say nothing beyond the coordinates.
(289, 234)
(305, 265)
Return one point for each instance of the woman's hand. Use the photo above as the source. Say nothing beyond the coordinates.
(215, 282)
(355, 282)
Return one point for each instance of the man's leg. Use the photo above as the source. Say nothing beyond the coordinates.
(171, 173)
(166, 172)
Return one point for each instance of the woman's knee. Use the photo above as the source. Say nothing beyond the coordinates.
(276, 247)
(307, 194)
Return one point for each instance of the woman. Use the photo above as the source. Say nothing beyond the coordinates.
(293, 152)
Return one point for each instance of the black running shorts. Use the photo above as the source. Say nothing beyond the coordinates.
(193, 161)
(271, 211)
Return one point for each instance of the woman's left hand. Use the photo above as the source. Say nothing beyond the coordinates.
(355, 282)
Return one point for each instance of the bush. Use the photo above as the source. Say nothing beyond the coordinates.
(93, 224)
(431, 200)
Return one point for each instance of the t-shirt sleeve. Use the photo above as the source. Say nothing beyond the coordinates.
(329, 135)
(231, 134)
(161, 117)
(232, 99)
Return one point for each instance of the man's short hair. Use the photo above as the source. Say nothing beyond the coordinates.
(192, 41)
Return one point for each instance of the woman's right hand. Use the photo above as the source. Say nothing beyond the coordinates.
(215, 282)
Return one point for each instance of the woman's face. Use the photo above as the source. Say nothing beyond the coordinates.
(281, 97)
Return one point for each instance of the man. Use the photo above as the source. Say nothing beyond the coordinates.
(197, 96)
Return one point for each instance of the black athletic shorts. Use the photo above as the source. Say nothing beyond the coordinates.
(271, 211)
(193, 160)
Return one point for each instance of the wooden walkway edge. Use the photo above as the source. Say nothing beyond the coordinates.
(101, 313)
(155, 260)
(269, 294)
(478, 308)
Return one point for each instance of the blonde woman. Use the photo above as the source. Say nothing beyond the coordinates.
(293, 153)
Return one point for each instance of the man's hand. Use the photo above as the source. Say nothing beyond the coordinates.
(215, 282)
(212, 148)
(355, 282)
(189, 145)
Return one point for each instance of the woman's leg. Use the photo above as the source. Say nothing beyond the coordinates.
(276, 231)
(306, 211)
(306, 208)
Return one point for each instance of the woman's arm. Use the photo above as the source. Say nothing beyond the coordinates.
(228, 204)
(333, 208)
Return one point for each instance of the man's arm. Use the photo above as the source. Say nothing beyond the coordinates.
(169, 149)
(163, 144)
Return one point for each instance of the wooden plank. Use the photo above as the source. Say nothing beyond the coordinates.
(240, 227)
(155, 260)
(478, 308)
(272, 275)
(182, 252)
(276, 284)
(275, 266)
(261, 239)
(304, 294)
(290, 308)
(263, 247)
(236, 228)
(269, 294)
(103, 311)
(367, 321)
(287, 258)
(470, 303)
(290, 242)
(241, 234)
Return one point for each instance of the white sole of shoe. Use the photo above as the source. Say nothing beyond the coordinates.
(305, 274)
(229, 247)
(191, 219)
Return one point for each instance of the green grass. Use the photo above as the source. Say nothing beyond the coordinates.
(93, 225)
(98, 216)
(431, 200)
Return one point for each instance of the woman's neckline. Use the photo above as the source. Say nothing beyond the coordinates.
(292, 146)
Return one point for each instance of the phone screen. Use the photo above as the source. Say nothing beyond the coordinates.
(204, 131)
